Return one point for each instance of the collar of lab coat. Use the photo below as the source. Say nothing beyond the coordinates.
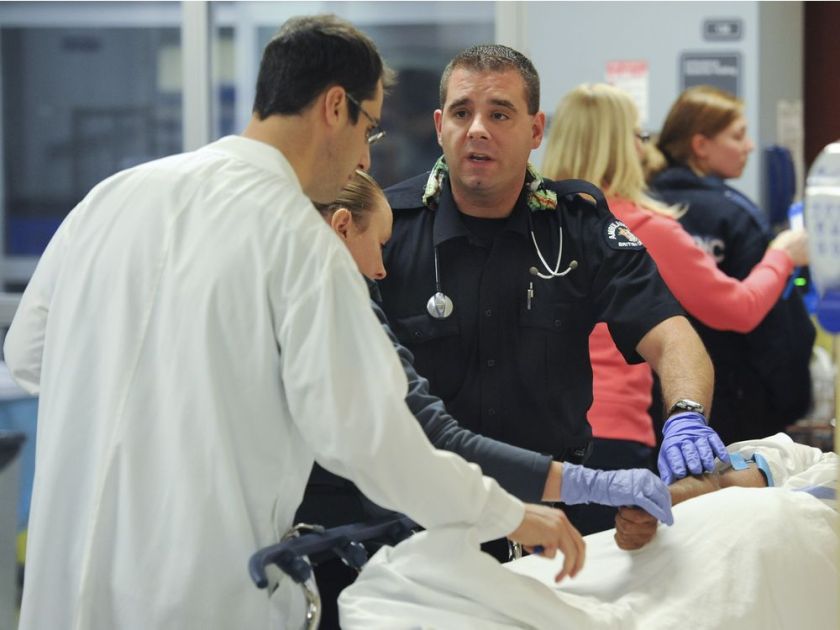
(259, 154)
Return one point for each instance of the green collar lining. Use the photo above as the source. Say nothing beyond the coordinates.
(539, 197)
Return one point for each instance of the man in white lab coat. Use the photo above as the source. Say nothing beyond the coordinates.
(198, 336)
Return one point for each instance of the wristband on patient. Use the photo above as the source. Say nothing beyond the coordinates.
(739, 462)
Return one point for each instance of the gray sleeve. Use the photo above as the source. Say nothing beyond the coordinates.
(519, 471)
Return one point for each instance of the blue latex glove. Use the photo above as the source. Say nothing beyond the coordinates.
(689, 445)
(637, 487)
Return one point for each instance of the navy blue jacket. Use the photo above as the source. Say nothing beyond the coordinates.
(762, 379)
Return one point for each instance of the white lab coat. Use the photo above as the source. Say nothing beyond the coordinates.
(197, 336)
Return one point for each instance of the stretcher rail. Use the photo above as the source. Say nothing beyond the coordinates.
(312, 543)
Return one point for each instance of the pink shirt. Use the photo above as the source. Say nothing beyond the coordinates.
(622, 392)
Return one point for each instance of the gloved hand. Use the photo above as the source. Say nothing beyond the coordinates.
(688, 445)
(637, 487)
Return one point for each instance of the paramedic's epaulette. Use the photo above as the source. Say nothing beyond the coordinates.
(571, 189)
(408, 194)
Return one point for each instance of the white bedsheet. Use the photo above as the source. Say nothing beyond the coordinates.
(758, 558)
(795, 466)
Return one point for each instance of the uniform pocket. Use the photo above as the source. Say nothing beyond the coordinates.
(558, 318)
(438, 350)
(424, 328)
(555, 340)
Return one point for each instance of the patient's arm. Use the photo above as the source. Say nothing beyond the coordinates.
(634, 528)
(751, 477)
(694, 486)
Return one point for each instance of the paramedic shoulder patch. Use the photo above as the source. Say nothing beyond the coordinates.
(619, 236)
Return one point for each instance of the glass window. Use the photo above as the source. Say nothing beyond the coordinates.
(416, 38)
(88, 89)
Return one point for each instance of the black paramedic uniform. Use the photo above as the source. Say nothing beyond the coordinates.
(509, 367)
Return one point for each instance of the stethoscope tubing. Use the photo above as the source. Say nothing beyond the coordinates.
(440, 305)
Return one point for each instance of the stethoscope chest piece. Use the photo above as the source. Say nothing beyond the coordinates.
(440, 305)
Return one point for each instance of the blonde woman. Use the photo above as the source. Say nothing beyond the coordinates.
(595, 136)
(762, 378)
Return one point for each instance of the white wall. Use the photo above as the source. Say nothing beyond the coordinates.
(781, 72)
(571, 43)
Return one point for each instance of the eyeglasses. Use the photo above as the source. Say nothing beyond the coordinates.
(643, 136)
(374, 134)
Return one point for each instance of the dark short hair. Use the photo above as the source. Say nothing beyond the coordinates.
(496, 58)
(308, 55)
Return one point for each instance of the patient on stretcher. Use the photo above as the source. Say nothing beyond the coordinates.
(751, 558)
(776, 461)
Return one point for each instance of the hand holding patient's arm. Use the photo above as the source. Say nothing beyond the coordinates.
(676, 353)
(689, 446)
(550, 529)
(638, 487)
(634, 528)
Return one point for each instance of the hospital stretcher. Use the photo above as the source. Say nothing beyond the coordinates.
(779, 545)
(306, 545)
(746, 558)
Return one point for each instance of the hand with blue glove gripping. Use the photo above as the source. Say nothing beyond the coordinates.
(689, 446)
(638, 487)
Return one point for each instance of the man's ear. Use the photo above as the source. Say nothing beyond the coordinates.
(341, 221)
(334, 105)
(438, 122)
(537, 129)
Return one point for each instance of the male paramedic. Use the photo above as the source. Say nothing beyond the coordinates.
(496, 277)
(192, 331)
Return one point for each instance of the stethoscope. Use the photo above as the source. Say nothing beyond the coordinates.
(440, 305)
